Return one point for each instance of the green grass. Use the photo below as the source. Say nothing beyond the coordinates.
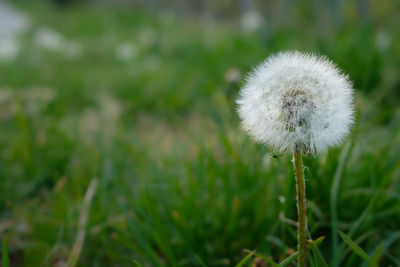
(179, 182)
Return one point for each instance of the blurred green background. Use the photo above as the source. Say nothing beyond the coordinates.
(140, 97)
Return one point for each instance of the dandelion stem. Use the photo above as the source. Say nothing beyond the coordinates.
(301, 209)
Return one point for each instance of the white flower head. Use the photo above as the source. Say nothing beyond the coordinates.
(295, 101)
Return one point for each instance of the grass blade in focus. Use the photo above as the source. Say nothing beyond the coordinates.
(354, 247)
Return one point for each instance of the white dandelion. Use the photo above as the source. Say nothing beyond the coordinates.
(298, 102)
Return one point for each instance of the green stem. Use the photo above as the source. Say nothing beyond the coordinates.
(301, 209)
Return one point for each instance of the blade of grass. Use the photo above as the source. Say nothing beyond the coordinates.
(138, 264)
(318, 256)
(316, 252)
(317, 241)
(4, 253)
(142, 242)
(245, 259)
(374, 198)
(347, 251)
(289, 259)
(393, 237)
(199, 261)
(369, 207)
(356, 249)
(376, 256)
(393, 259)
(82, 223)
(333, 199)
(158, 235)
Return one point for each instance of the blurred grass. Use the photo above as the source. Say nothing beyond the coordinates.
(179, 182)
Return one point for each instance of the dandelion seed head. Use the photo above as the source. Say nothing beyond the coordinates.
(295, 101)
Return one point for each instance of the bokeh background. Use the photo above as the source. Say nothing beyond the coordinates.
(123, 112)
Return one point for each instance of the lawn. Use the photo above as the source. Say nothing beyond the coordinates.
(143, 106)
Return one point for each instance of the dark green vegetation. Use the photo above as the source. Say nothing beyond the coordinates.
(180, 184)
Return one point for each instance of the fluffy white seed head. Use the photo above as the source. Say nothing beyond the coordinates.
(298, 102)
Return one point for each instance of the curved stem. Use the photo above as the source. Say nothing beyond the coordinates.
(301, 209)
